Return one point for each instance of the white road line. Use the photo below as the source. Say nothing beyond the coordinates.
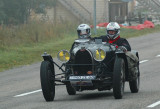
(143, 61)
(28, 93)
(154, 104)
(158, 56)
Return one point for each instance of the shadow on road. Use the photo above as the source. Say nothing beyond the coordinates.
(84, 96)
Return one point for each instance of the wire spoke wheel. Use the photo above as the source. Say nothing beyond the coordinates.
(134, 84)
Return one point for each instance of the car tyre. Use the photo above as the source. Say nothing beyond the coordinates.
(47, 76)
(70, 89)
(119, 78)
(134, 84)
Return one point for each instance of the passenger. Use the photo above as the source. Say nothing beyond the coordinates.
(84, 32)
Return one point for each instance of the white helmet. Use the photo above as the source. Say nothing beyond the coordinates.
(84, 31)
(113, 30)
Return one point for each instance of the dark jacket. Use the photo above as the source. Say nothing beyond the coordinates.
(118, 41)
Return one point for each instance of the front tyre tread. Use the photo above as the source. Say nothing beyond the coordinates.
(119, 78)
(47, 80)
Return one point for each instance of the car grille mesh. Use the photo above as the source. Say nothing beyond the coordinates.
(83, 61)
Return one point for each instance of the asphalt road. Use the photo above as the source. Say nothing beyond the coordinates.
(20, 87)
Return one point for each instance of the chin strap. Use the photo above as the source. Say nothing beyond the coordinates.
(111, 41)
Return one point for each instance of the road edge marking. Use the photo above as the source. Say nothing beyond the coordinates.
(143, 61)
(154, 104)
(28, 93)
(158, 56)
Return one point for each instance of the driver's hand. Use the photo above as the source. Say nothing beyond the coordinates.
(123, 48)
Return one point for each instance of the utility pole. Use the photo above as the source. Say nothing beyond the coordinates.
(94, 16)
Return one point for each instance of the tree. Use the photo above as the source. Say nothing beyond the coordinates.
(18, 11)
(13, 11)
(2, 14)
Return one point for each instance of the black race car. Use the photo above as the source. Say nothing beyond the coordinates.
(89, 65)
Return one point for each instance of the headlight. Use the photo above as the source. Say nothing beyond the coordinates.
(99, 55)
(63, 56)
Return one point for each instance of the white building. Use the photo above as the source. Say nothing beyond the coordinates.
(83, 11)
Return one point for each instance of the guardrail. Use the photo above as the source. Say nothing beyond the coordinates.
(152, 5)
(156, 2)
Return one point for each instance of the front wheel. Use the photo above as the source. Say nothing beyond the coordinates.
(118, 78)
(47, 76)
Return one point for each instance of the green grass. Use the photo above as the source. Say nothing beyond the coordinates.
(26, 54)
(21, 48)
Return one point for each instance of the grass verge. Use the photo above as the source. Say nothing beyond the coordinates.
(27, 53)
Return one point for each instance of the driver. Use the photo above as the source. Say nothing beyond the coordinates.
(112, 36)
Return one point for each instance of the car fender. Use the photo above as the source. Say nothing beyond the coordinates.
(47, 57)
(123, 55)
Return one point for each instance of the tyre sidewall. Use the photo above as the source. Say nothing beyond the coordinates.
(47, 80)
(118, 78)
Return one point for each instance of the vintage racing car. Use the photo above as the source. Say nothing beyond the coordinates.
(89, 65)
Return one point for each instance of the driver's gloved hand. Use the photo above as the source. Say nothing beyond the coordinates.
(123, 48)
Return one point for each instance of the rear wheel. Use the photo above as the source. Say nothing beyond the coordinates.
(134, 84)
(70, 89)
(118, 78)
(47, 75)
